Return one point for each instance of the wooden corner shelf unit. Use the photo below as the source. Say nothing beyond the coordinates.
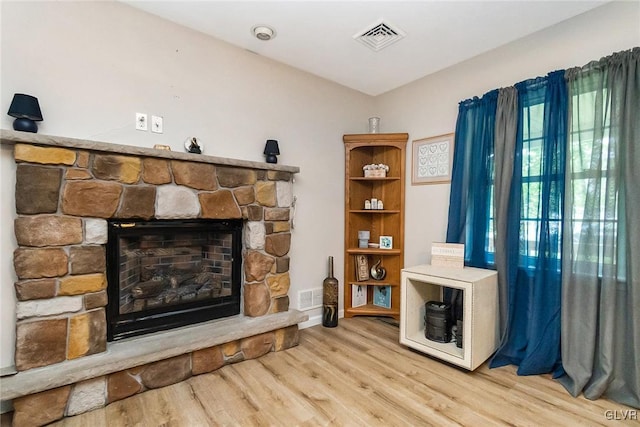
(360, 150)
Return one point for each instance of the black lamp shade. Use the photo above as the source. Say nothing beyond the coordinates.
(26, 110)
(271, 150)
(271, 147)
(25, 107)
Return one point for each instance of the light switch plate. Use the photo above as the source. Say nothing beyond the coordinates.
(156, 124)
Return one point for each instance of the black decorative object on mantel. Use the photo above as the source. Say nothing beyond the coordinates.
(271, 150)
(26, 110)
(330, 299)
(192, 146)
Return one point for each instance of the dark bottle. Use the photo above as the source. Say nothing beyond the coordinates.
(330, 299)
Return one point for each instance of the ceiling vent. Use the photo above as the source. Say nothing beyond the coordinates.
(379, 36)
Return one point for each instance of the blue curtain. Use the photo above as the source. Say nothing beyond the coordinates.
(561, 175)
(471, 176)
(535, 222)
(535, 200)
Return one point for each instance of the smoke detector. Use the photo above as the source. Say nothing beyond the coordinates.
(263, 32)
(379, 35)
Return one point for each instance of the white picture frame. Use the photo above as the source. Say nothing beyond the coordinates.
(386, 242)
(358, 295)
(432, 160)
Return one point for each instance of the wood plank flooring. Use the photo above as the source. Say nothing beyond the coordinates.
(354, 375)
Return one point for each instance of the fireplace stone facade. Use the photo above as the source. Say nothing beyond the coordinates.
(67, 189)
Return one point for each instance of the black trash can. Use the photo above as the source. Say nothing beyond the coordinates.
(437, 321)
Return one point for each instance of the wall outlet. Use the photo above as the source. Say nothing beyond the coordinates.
(305, 300)
(141, 121)
(156, 124)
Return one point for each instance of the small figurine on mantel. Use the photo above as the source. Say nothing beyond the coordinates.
(192, 146)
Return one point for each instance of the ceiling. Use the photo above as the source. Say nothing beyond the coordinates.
(317, 36)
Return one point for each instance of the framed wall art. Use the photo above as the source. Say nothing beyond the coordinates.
(432, 160)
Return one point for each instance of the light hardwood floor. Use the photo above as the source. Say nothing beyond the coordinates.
(354, 375)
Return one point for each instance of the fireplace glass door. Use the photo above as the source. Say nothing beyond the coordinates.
(166, 274)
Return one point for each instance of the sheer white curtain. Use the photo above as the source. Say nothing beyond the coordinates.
(601, 250)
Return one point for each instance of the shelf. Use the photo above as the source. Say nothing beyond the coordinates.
(361, 150)
(450, 348)
(480, 335)
(375, 211)
(375, 178)
(373, 283)
(371, 310)
(373, 251)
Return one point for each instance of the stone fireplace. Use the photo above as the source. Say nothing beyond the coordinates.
(70, 194)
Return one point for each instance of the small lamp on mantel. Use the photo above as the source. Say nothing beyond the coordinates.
(271, 150)
(26, 110)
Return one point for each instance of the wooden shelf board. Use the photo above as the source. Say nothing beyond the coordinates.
(374, 283)
(373, 251)
(375, 211)
(382, 138)
(375, 178)
(371, 310)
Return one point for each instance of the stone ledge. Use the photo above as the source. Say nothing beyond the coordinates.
(137, 351)
(11, 137)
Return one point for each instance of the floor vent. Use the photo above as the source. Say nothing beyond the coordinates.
(381, 35)
(309, 299)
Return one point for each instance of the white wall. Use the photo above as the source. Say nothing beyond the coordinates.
(429, 106)
(92, 65)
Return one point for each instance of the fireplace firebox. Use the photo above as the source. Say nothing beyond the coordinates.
(166, 274)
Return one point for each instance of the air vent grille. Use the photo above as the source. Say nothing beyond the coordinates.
(381, 35)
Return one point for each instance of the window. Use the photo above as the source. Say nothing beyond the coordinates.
(593, 188)
(532, 170)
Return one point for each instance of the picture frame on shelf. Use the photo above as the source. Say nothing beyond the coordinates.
(432, 160)
(358, 295)
(382, 296)
(386, 242)
(362, 268)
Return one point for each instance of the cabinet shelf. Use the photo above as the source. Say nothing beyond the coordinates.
(375, 211)
(361, 150)
(375, 178)
(373, 283)
(373, 251)
(371, 310)
(439, 347)
(480, 336)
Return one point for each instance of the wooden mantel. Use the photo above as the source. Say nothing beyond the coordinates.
(11, 137)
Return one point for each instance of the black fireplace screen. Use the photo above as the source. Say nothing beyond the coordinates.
(165, 274)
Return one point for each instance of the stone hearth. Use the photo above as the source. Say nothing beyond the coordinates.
(66, 189)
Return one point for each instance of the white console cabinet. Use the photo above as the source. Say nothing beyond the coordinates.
(424, 283)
